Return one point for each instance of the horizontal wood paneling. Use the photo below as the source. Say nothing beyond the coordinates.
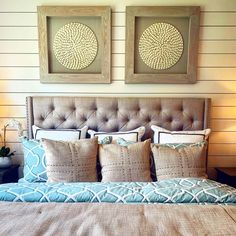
(216, 73)
(223, 137)
(19, 60)
(18, 19)
(19, 46)
(118, 60)
(18, 98)
(18, 33)
(29, 5)
(218, 18)
(118, 19)
(118, 47)
(221, 161)
(223, 125)
(19, 73)
(217, 46)
(203, 87)
(222, 149)
(12, 111)
(118, 33)
(19, 67)
(31, 73)
(217, 60)
(224, 112)
(217, 33)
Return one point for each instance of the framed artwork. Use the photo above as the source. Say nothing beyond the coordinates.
(74, 44)
(161, 44)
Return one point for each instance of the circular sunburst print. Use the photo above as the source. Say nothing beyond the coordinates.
(161, 46)
(75, 46)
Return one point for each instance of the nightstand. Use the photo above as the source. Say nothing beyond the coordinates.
(9, 174)
(226, 175)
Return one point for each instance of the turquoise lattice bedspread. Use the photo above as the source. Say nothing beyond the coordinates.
(187, 190)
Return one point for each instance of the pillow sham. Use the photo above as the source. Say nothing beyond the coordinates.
(132, 135)
(123, 142)
(125, 163)
(59, 134)
(162, 135)
(34, 161)
(180, 160)
(71, 161)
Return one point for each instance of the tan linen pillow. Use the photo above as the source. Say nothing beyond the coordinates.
(125, 164)
(71, 161)
(179, 160)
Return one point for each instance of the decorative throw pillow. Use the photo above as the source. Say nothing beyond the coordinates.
(59, 134)
(123, 142)
(125, 163)
(132, 135)
(165, 136)
(34, 161)
(106, 140)
(71, 161)
(180, 160)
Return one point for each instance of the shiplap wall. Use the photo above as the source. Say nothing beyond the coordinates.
(19, 66)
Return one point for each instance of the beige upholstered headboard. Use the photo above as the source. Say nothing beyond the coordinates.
(120, 113)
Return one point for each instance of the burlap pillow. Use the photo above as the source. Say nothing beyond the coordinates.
(71, 161)
(183, 160)
(125, 163)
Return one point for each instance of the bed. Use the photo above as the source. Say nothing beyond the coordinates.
(180, 206)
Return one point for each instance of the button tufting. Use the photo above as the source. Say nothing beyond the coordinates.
(63, 119)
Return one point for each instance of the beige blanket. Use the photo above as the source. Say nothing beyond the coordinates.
(115, 219)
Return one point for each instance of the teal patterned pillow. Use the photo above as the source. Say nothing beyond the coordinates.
(123, 142)
(183, 145)
(106, 140)
(34, 161)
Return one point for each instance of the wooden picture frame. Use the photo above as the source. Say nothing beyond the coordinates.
(139, 21)
(91, 63)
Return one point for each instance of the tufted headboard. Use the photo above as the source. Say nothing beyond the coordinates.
(119, 113)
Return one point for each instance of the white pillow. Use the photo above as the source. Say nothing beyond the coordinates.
(165, 136)
(132, 135)
(59, 134)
